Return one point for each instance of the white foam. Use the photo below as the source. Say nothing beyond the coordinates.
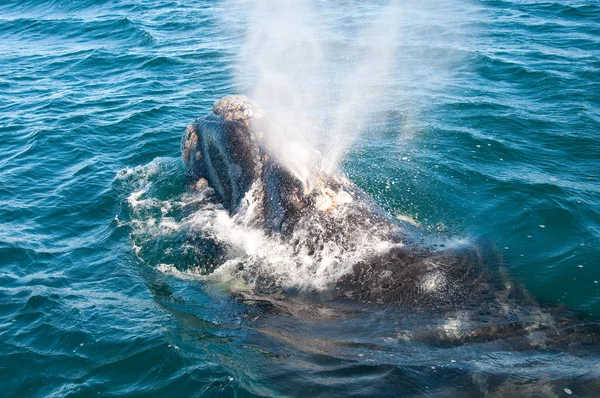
(251, 255)
(172, 270)
(134, 198)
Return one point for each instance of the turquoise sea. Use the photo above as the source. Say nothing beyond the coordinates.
(491, 132)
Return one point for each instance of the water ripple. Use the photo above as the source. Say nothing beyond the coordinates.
(495, 135)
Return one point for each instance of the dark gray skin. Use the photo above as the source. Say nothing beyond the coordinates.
(225, 151)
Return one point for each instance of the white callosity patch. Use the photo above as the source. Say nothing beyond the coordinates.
(237, 108)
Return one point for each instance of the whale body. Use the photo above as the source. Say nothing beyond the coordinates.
(226, 151)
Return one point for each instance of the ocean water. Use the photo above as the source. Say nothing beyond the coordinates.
(105, 265)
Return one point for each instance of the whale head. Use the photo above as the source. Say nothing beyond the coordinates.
(223, 150)
(228, 151)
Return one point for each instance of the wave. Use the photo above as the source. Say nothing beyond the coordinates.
(74, 33)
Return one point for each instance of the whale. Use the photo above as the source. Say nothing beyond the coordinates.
(225, 151)
(228, 152)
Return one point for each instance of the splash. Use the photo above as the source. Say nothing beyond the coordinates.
(178, 232)
(322, 77)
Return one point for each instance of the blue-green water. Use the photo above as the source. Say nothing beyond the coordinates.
(94, 96)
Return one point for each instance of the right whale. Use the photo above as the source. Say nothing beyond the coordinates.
(227, 151)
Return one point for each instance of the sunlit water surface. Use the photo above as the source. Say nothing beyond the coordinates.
(493, 134)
